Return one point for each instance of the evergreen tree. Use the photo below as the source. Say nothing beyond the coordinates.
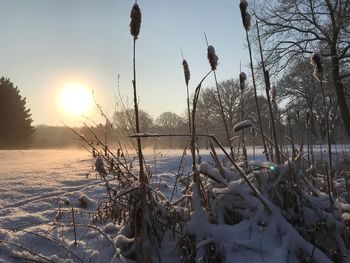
(16, 130)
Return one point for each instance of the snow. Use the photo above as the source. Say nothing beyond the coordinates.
(40, 186)
(48, 202)
(242, 125)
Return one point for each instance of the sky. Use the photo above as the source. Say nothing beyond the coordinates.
(46, 44)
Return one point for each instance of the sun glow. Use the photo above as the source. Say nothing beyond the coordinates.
(74, 99)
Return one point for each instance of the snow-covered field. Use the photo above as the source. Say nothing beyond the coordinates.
(31, 182)
(39, 189)
(34, 182)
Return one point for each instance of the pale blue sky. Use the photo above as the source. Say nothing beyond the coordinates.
(46, 43)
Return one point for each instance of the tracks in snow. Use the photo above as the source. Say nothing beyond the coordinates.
(49, 195)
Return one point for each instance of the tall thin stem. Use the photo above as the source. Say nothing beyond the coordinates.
(193, 123)
(188, 109)
(213, 63)
(256, 97)
(223, 116)
(267, 90)
(330, 169)
(143, 178)
(142, 232)
(244, 149)
(291, 135)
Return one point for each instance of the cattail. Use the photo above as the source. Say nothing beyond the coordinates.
(246, 21)
(212, 57)
(243, 5)
(186, 71)
(242, 79)
(135, 23)
(317, 62)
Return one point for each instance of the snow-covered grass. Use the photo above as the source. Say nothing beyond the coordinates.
(36, 183)
(33, 183)
(48, 202)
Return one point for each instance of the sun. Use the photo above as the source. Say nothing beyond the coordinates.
(74, 99)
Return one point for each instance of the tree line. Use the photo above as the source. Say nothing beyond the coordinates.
(297, 95)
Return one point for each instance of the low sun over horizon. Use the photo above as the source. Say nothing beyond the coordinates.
(74, 99)
(53, 43)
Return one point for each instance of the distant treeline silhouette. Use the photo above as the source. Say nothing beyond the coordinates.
(209, 121)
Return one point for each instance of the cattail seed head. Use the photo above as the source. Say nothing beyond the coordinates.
(246, 21)
(242, 79)
(316, 59)
(186, 71)
(212, 57)
(317, 62)
(243, 5)
(135, 23)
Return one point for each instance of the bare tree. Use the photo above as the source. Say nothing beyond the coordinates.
(171, 123)
(303, 97)
(207, 115)
(208, 118)
(292, 29)
(124, 123)
(126, 120)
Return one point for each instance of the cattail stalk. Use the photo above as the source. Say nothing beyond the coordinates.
(291, 135)
(253, 135)
(245, 18)
(135, 25)
(195, 171)
(213, 60)
(330, 169)
(317, 62)
(223, 116)
(242, 79)
(193, 124)
(267, 89)
(308, 134)
(312, 139)
(143, 178)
